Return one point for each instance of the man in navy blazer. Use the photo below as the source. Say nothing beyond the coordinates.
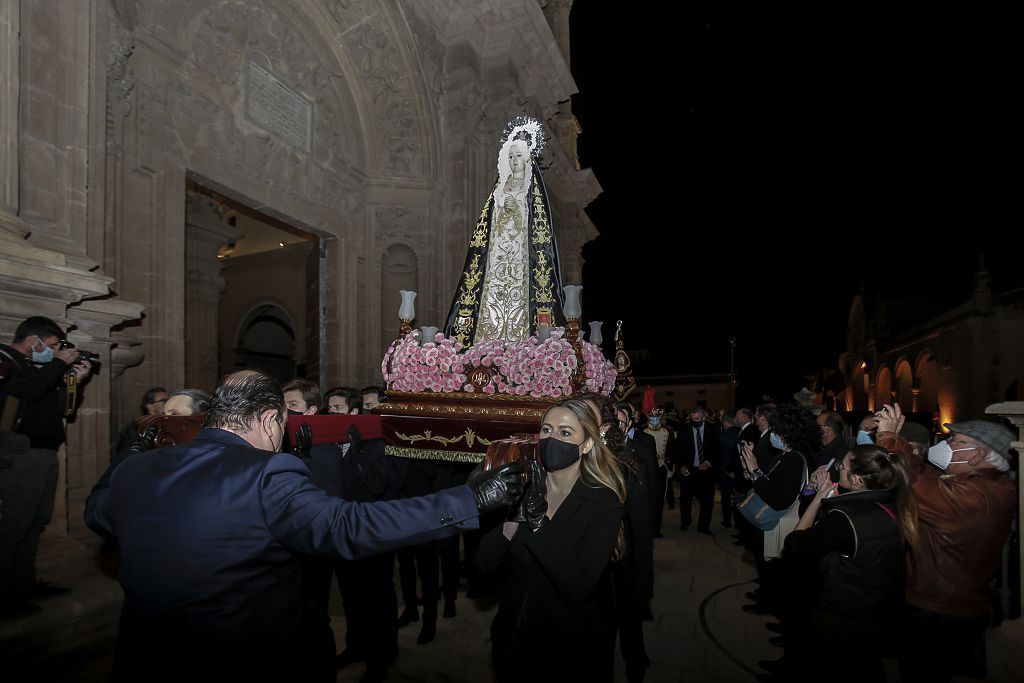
(210, 533)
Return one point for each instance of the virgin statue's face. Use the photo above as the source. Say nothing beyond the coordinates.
(517, 158)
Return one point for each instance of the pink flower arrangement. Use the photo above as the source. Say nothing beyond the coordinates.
(529, 368)
(434, 366)
(600, 372)
(538, 369)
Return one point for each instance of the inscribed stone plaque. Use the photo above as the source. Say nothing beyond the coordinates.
(272, 105)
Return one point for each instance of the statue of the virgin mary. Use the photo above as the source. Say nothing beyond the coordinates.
(511, 283)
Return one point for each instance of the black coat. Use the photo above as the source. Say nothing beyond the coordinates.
(634, 574)
(860, 554)
(765, 452)
(42, 396)
(557, 603)
(646, 454)
(728, 458)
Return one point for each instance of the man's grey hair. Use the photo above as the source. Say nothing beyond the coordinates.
(699, 410)
(241, 398)
(200, 400)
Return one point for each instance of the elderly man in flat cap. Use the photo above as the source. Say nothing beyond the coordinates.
(965, 501)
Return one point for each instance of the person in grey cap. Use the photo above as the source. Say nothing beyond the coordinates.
(965, 501)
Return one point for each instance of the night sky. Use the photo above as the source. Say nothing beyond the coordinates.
(758, 170)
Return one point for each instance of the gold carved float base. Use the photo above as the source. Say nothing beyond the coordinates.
(455, 427)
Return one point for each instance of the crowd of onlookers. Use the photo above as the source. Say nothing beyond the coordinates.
(873, 541)
(871, 538)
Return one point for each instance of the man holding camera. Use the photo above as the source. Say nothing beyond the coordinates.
(35, 397)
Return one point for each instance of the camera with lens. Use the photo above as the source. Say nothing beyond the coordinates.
(93, 358)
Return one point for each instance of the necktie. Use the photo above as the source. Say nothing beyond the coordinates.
(700, 447)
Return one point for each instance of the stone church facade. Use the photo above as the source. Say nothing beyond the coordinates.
(371, 125)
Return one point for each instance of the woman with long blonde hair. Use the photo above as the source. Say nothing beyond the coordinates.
(557, 601)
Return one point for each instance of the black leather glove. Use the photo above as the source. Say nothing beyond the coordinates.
(533, 504)
(497, 488)
(303, 441)
(143, 442)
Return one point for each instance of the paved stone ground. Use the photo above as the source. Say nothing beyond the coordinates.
(699, 632)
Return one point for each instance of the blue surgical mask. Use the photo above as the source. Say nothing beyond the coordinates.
(654, 422)
(44, 356)
(864, 438)
(777, 441)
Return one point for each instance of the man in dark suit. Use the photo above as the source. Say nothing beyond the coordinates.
(699, 446)
(728, 460)
(210, 532)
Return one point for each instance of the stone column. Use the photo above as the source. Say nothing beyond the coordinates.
(89, 437)
(205, 234)
(10, 87)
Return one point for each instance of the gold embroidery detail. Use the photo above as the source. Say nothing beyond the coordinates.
(503, 217)
(480, 233)
(472, 279)
(463, 327)
(541, 230)
(469, 437)
(542, 279)
(423, 454)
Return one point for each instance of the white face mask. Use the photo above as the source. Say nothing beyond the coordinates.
(941, 455)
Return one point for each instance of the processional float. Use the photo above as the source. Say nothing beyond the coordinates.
(511, 344)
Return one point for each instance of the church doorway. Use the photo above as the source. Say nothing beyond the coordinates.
(252, 292)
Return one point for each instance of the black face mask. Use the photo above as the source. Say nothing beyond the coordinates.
(557, 455)
(295, 412)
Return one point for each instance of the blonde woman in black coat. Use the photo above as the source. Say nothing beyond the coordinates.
(556, 616)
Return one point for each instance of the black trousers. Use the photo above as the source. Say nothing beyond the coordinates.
(698, 484)
(316, 630)
(27, 489)
(420, 560)
(448, 549)
(661, 480)
(725, 488)
(371, 607)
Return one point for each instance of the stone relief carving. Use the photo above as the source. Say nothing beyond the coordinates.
(399, 224)
(431, 51)
(120, 81)
(221, 39)
(387, 84)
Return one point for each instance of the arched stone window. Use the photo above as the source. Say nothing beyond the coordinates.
(859, 386)
(883, 388)
(904, 385)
